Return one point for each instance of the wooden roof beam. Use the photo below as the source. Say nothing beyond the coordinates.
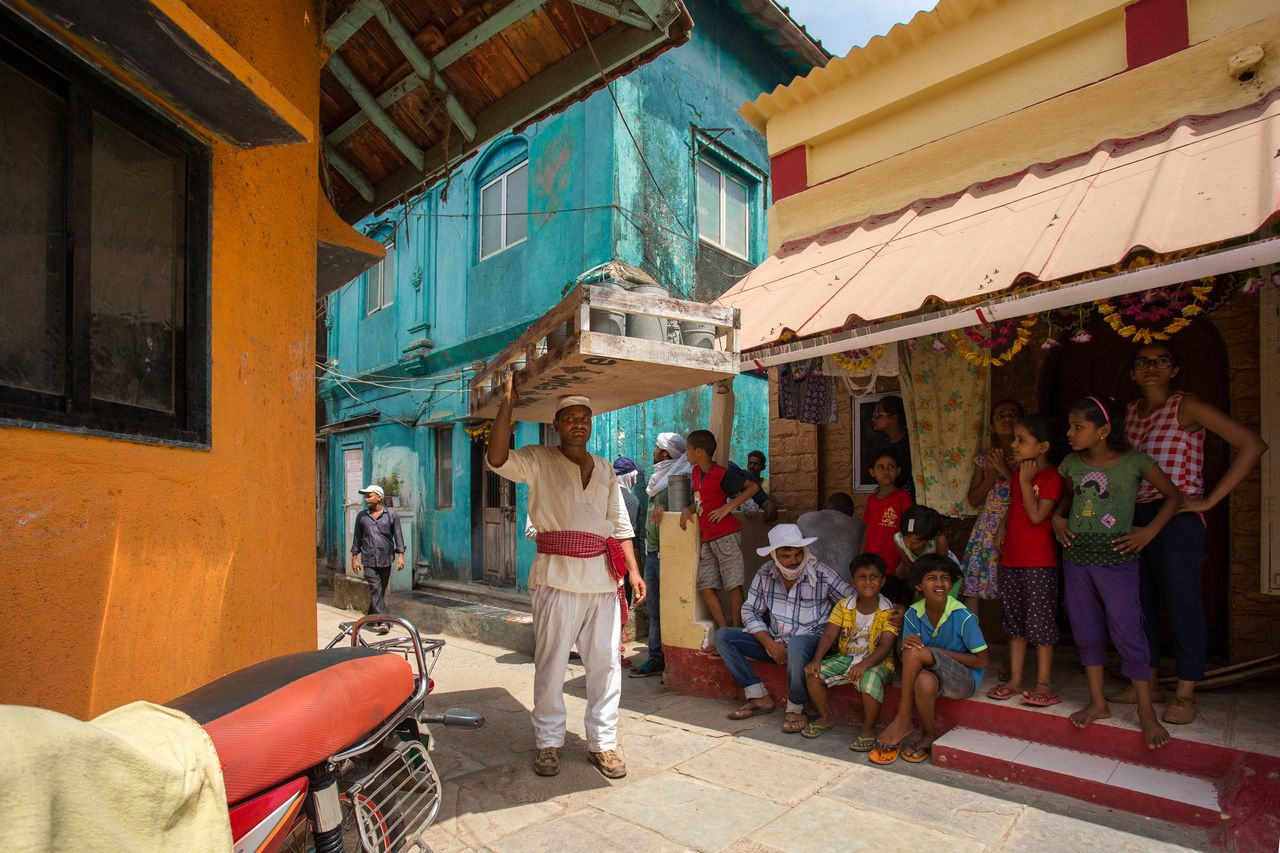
(615, 47)
(425, 69)
(350, 22)
(485, 30)
(348, 170)
(613, 9)
(377, 115)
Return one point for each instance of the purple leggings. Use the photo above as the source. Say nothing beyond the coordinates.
(1102, 600)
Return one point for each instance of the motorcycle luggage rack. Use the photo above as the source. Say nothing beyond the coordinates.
(394, 803)
(402, 645)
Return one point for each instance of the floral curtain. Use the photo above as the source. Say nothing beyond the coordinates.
(946, 398)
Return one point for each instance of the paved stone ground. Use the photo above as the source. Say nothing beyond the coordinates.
(698, 781)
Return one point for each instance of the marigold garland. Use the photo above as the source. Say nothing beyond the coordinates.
(995, 344)
(857, 360)
(1137, 315)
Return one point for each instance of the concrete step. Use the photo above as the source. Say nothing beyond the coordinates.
(1141, 789)
(485, 623)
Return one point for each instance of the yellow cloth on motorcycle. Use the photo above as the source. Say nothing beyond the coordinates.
(140, 778)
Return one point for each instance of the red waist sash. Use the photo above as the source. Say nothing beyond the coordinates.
(575, 543)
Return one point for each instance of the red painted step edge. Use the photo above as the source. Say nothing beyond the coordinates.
(1073, 786)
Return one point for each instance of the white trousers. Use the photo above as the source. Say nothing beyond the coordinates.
(591, 620)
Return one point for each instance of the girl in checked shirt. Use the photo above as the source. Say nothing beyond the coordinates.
(1170, 427)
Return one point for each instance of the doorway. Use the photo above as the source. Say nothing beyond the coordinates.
(1101, 366)
(498, 528)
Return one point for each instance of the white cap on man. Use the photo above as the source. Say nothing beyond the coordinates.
(786, 536)
(373, 490)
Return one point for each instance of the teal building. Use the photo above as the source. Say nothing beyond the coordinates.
(659, 173)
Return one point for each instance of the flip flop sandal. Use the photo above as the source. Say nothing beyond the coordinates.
(1001, 692)
(916, 755)
(815, 730)
(864, 743)
(748, 711)
(882, 755)
(1041, 699)
(710, 651)
(792, 727)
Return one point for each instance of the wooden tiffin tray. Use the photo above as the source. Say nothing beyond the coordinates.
(560, 354)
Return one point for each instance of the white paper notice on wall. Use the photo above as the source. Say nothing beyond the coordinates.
(353, 472)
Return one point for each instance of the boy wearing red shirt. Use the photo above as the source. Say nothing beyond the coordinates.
(882, 517)
(720, 552)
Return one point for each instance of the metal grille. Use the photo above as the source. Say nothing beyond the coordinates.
(397, 801)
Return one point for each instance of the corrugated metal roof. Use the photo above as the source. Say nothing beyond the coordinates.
(1198, 181)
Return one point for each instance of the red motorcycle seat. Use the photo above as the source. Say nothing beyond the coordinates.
(273, 720)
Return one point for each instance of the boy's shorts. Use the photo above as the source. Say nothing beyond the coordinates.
(720, 562)
(835, 671)
(955, 681)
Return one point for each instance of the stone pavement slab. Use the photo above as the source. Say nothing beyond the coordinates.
(691, 812)
(586, 831)
(783, 778)
(819, 825)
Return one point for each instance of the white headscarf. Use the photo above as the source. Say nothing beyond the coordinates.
(673, 443)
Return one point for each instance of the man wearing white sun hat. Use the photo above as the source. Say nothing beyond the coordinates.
(585, 548)
(783, 617)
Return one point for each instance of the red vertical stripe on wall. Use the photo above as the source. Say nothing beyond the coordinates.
(789, 172)
(1154, 29)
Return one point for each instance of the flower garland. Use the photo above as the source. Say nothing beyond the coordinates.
(1156, 315)
(995, 344)
(858, 360)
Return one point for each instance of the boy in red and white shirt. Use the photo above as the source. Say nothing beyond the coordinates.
(718, 491)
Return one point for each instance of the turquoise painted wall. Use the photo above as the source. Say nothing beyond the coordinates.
(591, 200)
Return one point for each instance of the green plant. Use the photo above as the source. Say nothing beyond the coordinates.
(391, 484)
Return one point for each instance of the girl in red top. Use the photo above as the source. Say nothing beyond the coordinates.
(1029, 562)
(882, 517)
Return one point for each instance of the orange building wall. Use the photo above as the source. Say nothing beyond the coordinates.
(137, 571)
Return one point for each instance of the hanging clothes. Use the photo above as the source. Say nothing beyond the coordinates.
(806, 394)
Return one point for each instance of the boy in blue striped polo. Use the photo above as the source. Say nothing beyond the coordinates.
(943, 654)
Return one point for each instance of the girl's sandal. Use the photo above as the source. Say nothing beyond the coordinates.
(1001, 692)
(815, 730)
(1040, 698)
(864, 743)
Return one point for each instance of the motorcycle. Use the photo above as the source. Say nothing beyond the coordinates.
(329, 750)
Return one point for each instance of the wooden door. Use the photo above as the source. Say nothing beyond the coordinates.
(1102, 367)
(498, 500)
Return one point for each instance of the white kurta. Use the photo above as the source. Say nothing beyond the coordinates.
(557, 501)
(575, 600)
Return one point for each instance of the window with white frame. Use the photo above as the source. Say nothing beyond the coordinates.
(504, 206)
(724, 220)
(380, 283)
(444, 466)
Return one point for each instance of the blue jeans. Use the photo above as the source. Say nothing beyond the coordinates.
(651, 605)
(736, 646)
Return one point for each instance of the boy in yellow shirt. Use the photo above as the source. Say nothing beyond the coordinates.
(864, 626)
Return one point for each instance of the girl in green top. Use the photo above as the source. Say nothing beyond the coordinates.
(1094, 523)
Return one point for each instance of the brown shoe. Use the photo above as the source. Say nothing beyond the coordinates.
(609, 763)
(547, 761)
(1129, 696)
(1180, 711)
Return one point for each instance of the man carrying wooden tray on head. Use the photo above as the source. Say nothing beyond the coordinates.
(585, 550)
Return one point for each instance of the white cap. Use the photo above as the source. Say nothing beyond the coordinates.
(786, 536)
(573, 400)
(373, 490)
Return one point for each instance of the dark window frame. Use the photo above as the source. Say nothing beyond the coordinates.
(39, 59)
(443, 475)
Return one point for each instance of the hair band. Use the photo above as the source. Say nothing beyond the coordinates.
(1106, 417)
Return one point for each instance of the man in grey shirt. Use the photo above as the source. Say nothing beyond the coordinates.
(839, 533)
(375, 543)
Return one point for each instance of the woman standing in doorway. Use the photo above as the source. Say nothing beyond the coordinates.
(890, 417)
(989, 491)
(1170, 426)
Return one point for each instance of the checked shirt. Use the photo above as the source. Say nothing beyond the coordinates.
(804, 609)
